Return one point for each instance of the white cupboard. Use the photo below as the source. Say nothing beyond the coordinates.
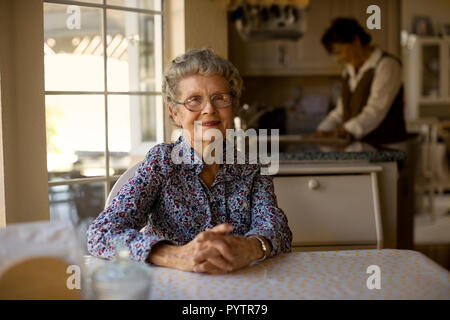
(427, 77)
(332, 205)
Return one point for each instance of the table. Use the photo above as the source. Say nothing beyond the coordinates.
(404, 274)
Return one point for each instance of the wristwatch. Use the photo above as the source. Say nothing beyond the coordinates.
(264, 248)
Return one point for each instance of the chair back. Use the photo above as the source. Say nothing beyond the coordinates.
(121, 181)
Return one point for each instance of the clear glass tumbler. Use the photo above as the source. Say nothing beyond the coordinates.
(121, 279)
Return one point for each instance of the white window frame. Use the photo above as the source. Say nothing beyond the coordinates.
(138, 147)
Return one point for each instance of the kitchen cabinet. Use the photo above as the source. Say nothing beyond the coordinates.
(427, 80)
(287, 57)
(307, 55)
(335, 204)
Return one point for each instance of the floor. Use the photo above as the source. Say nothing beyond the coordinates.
(432, 235)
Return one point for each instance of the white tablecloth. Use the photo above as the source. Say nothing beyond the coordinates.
(404, 274)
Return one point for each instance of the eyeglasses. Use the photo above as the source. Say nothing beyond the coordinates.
(218, 100)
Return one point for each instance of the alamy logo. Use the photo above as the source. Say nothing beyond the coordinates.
(74, 19)
(374, 281)
(74, 280)
(214, 151)
(374, 20)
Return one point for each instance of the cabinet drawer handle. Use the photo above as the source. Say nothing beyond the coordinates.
(313, 184)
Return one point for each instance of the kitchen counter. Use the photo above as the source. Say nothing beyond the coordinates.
(336, 150)
(319, 155)
(358, 181)
(297, 148)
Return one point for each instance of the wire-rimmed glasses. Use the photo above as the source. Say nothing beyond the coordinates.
(218, 100)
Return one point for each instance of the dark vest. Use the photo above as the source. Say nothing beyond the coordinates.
(392, 128)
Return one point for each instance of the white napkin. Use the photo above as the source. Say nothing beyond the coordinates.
(36, 239)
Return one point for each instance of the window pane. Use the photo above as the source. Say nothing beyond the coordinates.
(141, 4)
(76, 202)
(431, 71)
(134, 51)
(132, 128)
(73, 48)
(75, 136)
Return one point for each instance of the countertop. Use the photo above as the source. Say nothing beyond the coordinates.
(370, 156)
(296, 148)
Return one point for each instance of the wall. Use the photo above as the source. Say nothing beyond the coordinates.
(275, 91)
(193, 24)
(206, 25)
(2, 176)
(438, 10)
(24, 164)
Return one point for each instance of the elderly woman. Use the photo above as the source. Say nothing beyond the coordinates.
(200, 217)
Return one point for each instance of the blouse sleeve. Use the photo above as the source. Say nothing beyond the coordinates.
(268, 220)
(334, 119)
(128, 212)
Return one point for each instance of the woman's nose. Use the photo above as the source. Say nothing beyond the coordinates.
(209, 108)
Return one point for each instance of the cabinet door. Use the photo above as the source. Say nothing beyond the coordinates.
(267, 57)
(249, 57)
(328, 210)
(309, 56)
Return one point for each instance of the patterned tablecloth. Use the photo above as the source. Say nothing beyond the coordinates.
(403, 274)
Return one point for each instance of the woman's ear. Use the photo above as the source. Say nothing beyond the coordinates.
(174, 114)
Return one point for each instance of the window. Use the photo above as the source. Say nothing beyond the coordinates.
(104, 110)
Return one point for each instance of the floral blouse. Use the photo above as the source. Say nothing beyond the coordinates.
(174, 205)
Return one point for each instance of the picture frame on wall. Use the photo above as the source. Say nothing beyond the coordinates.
(422, 26)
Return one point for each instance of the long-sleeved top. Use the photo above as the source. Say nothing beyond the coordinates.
(386, 84)
(175, 205)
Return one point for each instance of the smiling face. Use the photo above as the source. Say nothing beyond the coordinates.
(210, 117)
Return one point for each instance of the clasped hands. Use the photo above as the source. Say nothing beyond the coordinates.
(213, 251)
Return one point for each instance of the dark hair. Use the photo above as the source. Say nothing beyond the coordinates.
(344, 30)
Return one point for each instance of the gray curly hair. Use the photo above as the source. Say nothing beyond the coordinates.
(205, 62)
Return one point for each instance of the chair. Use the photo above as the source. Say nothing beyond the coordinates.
(129, 173)
(432, 174)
